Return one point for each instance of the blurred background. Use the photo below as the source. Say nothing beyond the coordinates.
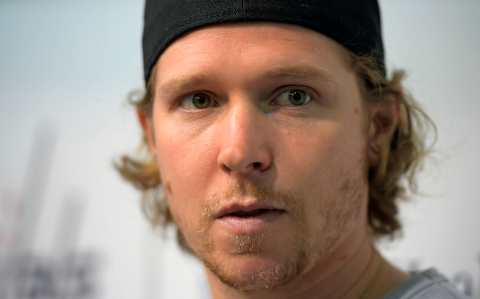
(71, 228)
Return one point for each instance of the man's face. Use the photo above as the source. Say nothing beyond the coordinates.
(259, 131)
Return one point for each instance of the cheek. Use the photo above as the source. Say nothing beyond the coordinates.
(182, 155)
(312, 153)
(326, 163)
(185, 166)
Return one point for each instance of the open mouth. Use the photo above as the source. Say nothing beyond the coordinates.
(250, 218)
(253, 213)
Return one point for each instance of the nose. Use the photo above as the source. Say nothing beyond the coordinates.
(245, 147)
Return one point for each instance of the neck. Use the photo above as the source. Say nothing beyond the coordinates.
(355, 273)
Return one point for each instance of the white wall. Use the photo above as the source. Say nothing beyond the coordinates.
(65, 71)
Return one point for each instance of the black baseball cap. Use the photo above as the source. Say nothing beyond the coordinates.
(355, 24)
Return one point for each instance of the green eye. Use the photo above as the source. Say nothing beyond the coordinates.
(293, 97)
(197, 101)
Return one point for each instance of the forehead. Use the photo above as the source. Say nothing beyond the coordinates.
(237, 45)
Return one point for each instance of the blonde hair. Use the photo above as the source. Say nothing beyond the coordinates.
(389, 182)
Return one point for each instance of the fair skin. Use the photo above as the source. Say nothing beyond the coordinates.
(263, 141)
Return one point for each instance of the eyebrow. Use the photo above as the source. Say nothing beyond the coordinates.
(184, 82)
(307, 72)
(281, 72)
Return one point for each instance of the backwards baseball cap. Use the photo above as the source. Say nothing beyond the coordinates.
(352, 23)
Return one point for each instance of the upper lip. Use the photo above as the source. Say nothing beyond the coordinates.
(246, 207)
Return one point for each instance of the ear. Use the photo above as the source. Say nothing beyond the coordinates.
(383, 123)
(146, 123)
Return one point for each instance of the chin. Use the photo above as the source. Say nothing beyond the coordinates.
(252, 261)
(255, 271)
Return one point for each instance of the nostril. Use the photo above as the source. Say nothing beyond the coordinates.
(257, 165)
(226, 168)
(253, 166)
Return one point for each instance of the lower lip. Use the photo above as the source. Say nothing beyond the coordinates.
(250, 225)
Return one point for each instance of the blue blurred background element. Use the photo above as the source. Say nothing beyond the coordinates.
(71, 228)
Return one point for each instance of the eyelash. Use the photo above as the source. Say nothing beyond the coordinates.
(310, 93)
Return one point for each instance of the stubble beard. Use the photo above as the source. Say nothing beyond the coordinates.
(269, 277)
(303, 250)
(279, 271)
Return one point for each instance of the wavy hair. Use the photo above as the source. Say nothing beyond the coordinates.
(392, 180)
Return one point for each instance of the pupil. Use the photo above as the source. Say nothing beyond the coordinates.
(296, 96)
(200, 101)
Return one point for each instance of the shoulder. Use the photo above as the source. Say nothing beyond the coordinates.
(428, 284)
